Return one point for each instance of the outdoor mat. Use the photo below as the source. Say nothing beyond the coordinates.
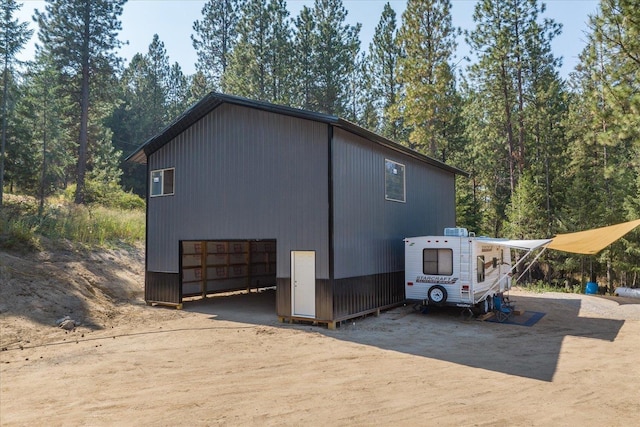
(528, 318)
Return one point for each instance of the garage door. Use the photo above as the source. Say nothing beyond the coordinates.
(211, 266)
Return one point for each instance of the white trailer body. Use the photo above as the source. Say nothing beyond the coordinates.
(458, 269)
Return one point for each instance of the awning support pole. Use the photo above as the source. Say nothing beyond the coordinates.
(493, 286)
(534, 260)
(512, 269)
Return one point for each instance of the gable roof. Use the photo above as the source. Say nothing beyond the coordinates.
(214, 100)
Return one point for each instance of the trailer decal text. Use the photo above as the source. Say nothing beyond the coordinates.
(440, 280)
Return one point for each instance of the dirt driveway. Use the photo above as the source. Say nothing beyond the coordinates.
(227, 361)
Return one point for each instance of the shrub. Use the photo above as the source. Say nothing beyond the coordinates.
(542, 286)
(21, 224)
(93, 225)
(110, 195)
(17, 235)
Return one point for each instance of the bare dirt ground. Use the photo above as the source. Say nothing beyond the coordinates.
(227, 360)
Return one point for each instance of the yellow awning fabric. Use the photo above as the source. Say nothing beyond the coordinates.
(591, 242)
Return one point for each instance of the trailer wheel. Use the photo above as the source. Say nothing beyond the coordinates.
(437, 295)
(484, 306)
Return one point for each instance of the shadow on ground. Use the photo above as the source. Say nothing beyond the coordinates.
(619, 300)
(443, 334)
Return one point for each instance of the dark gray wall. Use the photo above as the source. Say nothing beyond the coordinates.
(368, 230)
(243, 173)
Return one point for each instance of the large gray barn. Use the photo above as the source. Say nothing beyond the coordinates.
(248, 194)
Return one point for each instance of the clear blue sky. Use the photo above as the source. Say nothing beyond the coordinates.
(172, 20)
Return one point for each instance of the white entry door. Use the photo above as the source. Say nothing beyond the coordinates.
(303, 283)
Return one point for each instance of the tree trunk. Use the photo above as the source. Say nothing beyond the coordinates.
(44, 153)
(521, 132)
(5, 92)
(610, 275)
(508, 127)
(84, 113)
(548, 191)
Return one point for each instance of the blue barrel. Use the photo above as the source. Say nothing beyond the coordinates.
(592, 288)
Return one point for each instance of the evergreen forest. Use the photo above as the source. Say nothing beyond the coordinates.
(546, 154)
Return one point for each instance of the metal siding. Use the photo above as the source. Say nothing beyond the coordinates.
(283, 297)
(356, 295)
(162, 287)
(369, 230)
(324, 298)
(243, 173)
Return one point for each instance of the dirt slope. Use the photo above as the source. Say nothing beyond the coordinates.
(95, 288)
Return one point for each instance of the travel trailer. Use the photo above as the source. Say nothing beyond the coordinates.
(460, 269)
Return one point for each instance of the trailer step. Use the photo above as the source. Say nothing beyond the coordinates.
(486, 316)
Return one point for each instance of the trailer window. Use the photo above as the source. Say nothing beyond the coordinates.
(394, 181)
(162, 182)
(481, 268)
(437, 262)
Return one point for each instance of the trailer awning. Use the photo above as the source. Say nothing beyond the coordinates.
(591, 242)
(526, 245)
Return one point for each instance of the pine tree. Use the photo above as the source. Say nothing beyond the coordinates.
(365, 112)
(197, 88)
(542, 111)
(487, 196)
(335, 44)
(359, 90)
(177, 92)
(384, 54)
(492, 77)
(511, 42)
(525, 218)
(214, 39)
(603, 130)
(280, 47)
(247, 73)
(304, 43)
(520, 102)
(617, 31)
(545, 118)
(152, 94)
(600, 140)
(13, 37)
(259, 65)
(20, 167)
(427, 38)
(156, 70)
(524, 211)
(45, 107)
(82, 37)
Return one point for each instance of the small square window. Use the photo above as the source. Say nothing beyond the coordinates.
(394, 181)
(437, 262)
(162, 182)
